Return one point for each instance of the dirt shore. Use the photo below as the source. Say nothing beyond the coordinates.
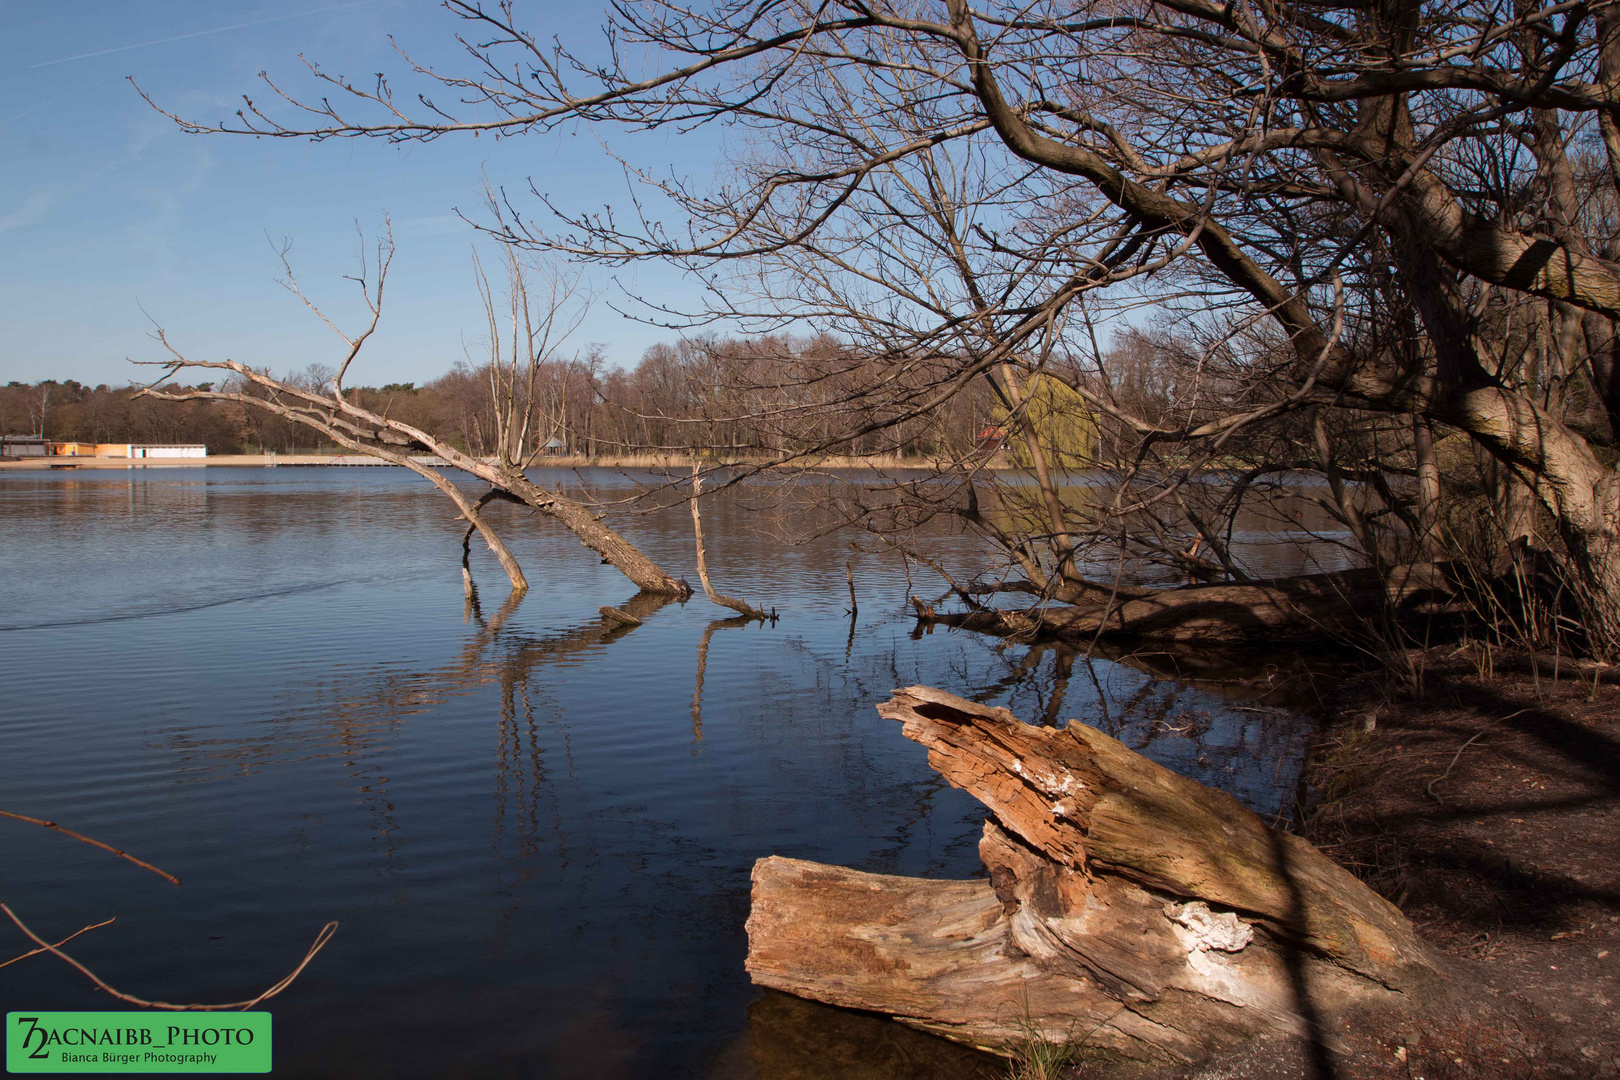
(1483, 798)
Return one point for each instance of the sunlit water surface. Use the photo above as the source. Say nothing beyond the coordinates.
(535, 832)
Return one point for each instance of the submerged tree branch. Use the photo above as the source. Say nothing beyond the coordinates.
(275, 988)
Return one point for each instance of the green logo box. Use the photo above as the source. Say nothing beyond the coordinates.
(137, 1042)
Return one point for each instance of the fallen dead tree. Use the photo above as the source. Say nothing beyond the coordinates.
(519, 431)
(1127, 908)
(1333, 605)
(354, 428)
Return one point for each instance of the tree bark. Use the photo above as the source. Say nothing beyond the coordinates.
(1128, 908)
(597, 535)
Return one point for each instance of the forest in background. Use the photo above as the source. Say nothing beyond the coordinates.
(724, 398)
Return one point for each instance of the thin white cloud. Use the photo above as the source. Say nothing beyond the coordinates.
(32, 209)
(203, 33)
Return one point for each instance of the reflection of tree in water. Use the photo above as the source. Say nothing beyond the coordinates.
(351, 718)
(493, 653)
(1237, 736)
(736, 621)
(1195, 733)
(520, 773)
(1024, 678)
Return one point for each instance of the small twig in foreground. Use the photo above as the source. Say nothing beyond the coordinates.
(64, 941)
(1430, 787)
(320, 941)
(92, 842)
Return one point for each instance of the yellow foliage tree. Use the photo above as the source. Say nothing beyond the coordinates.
(1062, 422)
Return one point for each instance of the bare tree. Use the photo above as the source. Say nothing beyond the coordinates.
(323, 405)
(1287, 165)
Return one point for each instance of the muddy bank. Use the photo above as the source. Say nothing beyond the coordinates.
(1483, 797)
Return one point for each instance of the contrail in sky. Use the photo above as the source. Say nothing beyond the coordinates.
(204, 33)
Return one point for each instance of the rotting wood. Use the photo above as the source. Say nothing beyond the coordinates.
(1127, 907)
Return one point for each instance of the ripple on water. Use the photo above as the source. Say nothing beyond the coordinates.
(536, 833)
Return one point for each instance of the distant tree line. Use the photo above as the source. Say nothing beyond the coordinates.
(70, 411)
(721, 397)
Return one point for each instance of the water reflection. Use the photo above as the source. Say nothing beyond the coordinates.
(535, 824)
(736, 622)
(793, 1039)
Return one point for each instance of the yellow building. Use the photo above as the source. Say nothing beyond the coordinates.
(128, 450)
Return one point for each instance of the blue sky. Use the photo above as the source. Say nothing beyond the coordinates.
(106, 208)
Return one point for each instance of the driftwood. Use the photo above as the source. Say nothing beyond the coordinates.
(1341, 604)
(1127, 908)
(615, 615)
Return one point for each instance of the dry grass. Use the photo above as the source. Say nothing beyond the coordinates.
(1037, 1056)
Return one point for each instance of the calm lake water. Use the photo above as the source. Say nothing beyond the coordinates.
(535, 832)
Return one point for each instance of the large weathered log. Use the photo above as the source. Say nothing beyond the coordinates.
(1333, 605)
(1127, 908)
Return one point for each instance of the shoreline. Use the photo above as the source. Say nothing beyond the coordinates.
(1482, 799)
(571, 461)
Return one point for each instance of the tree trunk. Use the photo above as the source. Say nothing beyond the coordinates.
(1597, 555)
(1428, 488)
(1127, 908)
(596, 535)
(1345, 603)
(1512, 504)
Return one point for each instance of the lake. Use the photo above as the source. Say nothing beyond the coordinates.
(535, 832)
